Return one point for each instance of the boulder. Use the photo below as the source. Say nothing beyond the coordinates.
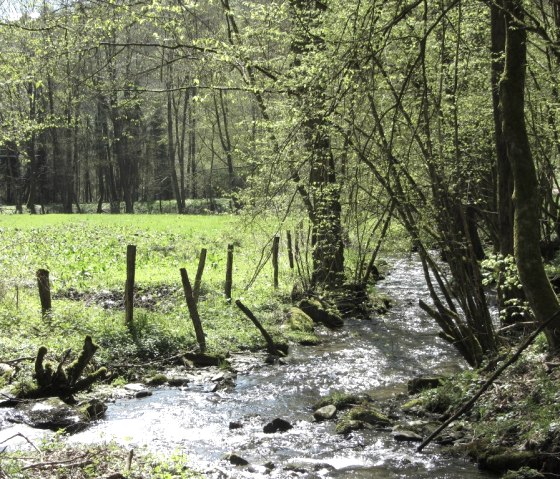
(94, 409)
(369, 415)
(509, 460)
(404, 435)
(178, 381)
(416, 385)
(315, 310)
(523, 473)
(346, 426)
(325, 413)
(157, 380)
(53, 414)
(277, 425)
(236, 460)
(298, 320)
(137, 390)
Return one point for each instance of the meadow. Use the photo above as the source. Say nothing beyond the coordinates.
(86, 258)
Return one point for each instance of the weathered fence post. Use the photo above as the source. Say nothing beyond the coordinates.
(198, 277)
(229, 272)
(275, 250)
(267, 337)
(129, 285)
(193, 310)
(290, 252)
(44, 290)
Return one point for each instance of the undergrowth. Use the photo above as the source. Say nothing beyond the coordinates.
(86, 257)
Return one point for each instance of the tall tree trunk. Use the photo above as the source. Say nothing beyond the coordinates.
(191, 157)
(31, 147)
(323, 201)
(503, 168)
(539, 292)
(509, 297)
(225, 138)
(171, 151)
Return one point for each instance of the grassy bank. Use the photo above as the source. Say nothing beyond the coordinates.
(513, 429)
(55, 460)
(86, 257)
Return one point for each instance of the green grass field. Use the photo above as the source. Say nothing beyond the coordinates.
(86, 257)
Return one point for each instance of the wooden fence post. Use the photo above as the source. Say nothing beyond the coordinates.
(267, 337)
(199, 271)
(290, 252)
(193, 310)
(275, 250)
(44, 290)
(229, 272)
(129, 285)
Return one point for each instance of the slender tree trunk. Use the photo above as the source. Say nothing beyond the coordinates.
(192, 142)
(31, 148)
(539, 292)
(171, 151)
(323, 198)
(503, 168)
(225, 138)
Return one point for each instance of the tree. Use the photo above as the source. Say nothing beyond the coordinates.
(539, 292)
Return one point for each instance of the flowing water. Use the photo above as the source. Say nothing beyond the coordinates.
(376, 356)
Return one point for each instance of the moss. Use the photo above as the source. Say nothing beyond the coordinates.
(346, 426)
(381, 302)
(320, 314)
(508, 460)
(523, 473)
(369, 415)
(299, 321)
(413, 404)
(157, 380)
(340, 400)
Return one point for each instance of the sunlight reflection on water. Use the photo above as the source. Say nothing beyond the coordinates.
(364, 356)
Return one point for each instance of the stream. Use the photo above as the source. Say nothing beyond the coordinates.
(375, 357)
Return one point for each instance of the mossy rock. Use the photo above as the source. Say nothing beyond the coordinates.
(523, 473)
(419, 384)
(381, 302)
(319, 314)
(346, 426)
(339, 400)
(203, 360)
(508, 460)
(157, 380)
(369, 415)
(93, 409)
(413, 405)
(299, 321)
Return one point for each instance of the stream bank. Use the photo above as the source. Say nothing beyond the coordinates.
(209, 423)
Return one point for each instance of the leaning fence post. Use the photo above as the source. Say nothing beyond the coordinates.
(193, 311)
(290, 252)
(229, 272)
(272, 349)
(199, 271)
(44, 290)
(275, 249)
(129, 285)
